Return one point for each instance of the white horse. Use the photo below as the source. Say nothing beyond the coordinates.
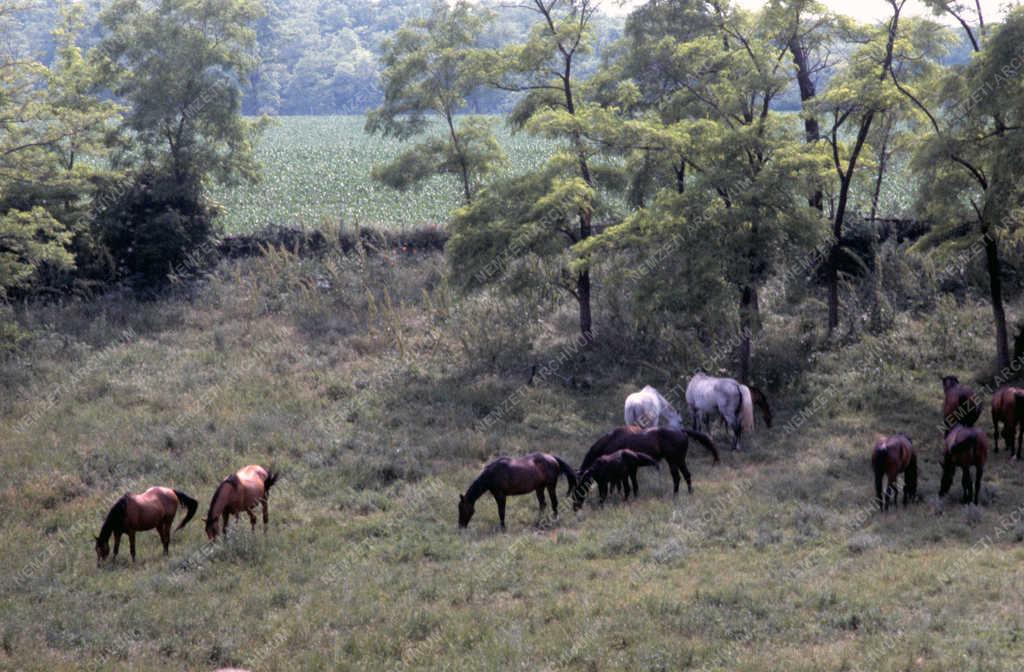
(728, 398)
(647, 408)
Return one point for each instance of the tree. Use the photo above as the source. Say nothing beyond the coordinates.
(971, 163)
(177, 65)
(431, 66)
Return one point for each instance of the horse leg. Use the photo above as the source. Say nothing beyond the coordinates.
(737, 430)
(995, 430)
(500, 499)
(1020, 439)
(625, 488)
(266, 517)
(227, 517)
(636, 487)
(977, 483)
(965, 485)
(695, 417)
(686, 475)
(117, 543)
(890, 493)
(541, 504)
(131, 544)
(674, 470)
(252, 519)
(165, 536)
(554, 500)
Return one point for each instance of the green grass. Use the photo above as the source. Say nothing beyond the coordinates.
(317, 169)
(776, 562)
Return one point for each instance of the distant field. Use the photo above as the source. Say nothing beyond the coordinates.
(318, 168)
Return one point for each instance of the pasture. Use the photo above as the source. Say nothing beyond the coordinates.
(360, 390)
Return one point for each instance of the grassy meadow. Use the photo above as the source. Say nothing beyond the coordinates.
(357, 377)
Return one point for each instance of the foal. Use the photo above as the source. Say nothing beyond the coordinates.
(891, 456)
(615, 470)
(154, 508)
(506, 476)
(965, 447)
(1008, 408)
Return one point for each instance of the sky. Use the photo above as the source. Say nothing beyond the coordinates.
(862, 10)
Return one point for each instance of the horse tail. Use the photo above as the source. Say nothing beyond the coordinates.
(570, 473)
(746, 410)
(190, 505)
(272, 477)
(704, 440)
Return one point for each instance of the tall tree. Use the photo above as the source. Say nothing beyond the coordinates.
(431, 67)
(972, 164)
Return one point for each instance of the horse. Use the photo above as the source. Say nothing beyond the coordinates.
(241, 491)
(506, 476)
(891, 456)
(726, 397)
(647, 408)
(965, 447)
(1008, 408)
(615, 470)
(154, 508)
(960, 405)
(760, 401)
(660, 443)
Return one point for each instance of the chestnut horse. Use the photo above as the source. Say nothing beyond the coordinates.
(154, 508)
(615, 470)
(892, 456)
(960, 406)
(760, 401)
(506, 476)
(1008, 408)
(241, 491)
(660, 443)
(965, 447)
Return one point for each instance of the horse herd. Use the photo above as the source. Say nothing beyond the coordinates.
(653, 433)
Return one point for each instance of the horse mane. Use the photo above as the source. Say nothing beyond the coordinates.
(231, 480)
(479, 486)
(114, 522)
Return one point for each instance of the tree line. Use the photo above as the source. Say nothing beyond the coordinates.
(681, 120)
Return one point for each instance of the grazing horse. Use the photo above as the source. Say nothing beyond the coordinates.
(760, 401)
(728, 398)
(660, 443)
(154, 508)
(965, 447)
(241, 491)
(892, 456)
(615, 470)
(647, 408)
(506, 476)
(1008, 408)
(960, 406)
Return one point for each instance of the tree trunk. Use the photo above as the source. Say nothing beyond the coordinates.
(748, 322)
(812, 132)
(995, 281)
(583, 286)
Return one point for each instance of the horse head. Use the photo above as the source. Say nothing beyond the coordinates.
(466, 510)
(949, 382)
(102, 550)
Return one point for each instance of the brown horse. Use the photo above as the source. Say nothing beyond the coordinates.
(506, 476)
(615, 470)
(760, 401)
(965, 447)
(1008, 408)
(154, 508)
(960, 406)
(241, 491)
(660, 443)
(892, 456)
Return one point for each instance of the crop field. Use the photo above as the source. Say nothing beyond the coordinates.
(777, 561)
(317, 169)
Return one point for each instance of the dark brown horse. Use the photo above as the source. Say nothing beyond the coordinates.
(154, 508)
(892, 456)
(960, 406)
(241, 491)
(760, 402)
(611, 472)
(661, 443)
(507, 476)
(1008, 408)
(965, 447)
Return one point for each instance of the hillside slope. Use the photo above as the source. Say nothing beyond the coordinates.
(350, 376)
